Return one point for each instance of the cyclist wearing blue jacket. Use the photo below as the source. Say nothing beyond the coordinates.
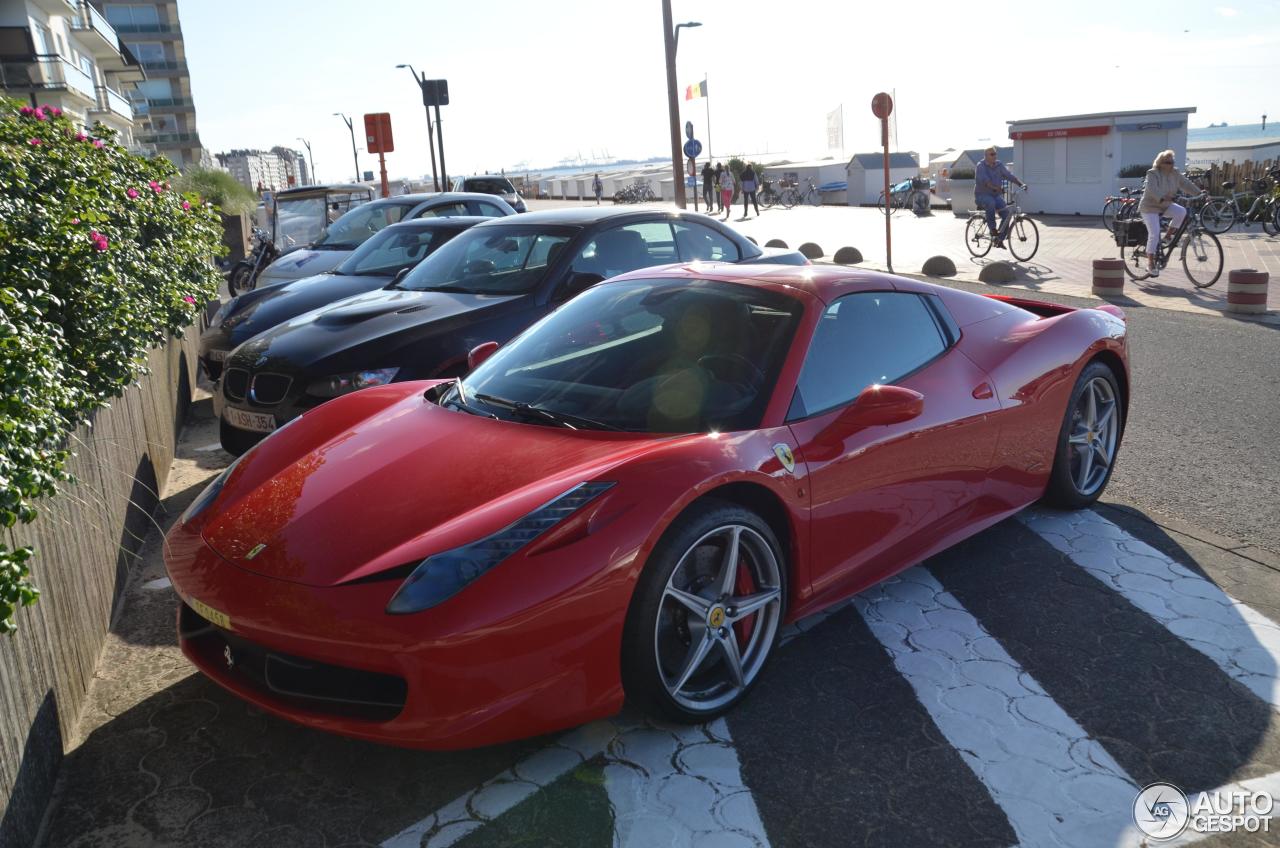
(988, 191)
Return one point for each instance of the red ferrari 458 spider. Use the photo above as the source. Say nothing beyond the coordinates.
(632, 497)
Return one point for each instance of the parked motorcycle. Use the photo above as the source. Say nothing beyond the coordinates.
(244, 274)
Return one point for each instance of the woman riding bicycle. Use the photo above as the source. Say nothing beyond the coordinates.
(1163, 182)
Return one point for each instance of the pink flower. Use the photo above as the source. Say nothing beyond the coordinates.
(34, 142)
(40, 115)
(75, 220)
(97, 142)
(26, 111)
(131, 193)
(81, 136)
(155, 186)
(57, 113)
(186, 205)
(188, 298)
(99, 240)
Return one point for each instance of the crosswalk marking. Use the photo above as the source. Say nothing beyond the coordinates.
(1056, 785)
(1241, 641)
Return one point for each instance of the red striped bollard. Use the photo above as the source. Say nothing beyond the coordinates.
(1247, 291)
(1108, 277)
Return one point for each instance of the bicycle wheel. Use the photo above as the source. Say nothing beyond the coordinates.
(880, 204)
(1271, 222)
(767, 199)
(788, 198)
(1218, 216)
(1135, 261)
(976, 236)
(813, 197)
(1109, 210)
(1024, 238)
(1202, 258)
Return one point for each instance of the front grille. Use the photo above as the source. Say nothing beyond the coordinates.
(236, 383)
(269, 389)
(294, 681)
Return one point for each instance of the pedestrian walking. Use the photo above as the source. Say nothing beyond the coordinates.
(749, 190)
(719, 171)
(726, 192)
(709, 185)
(1163, 182)
(597, 188)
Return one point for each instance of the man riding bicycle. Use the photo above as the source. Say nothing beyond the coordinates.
(988, 191)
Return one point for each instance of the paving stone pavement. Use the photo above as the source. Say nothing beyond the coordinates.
(1016, 689)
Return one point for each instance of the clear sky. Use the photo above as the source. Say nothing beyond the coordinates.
(537, 82)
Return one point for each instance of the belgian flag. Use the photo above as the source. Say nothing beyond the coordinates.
(692, 92)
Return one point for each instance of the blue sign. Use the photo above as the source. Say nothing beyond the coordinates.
(692, 148)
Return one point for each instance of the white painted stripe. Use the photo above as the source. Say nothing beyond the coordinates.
(1056, 785)
(1242, 642)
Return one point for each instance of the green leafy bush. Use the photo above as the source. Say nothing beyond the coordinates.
(219, 188)
(963, 174)
(1129, 172)
(99, 261)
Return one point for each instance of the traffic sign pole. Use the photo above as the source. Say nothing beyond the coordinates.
(692, 149)
(882, 107)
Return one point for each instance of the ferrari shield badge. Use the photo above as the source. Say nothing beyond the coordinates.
(255, 550)
(785, 456)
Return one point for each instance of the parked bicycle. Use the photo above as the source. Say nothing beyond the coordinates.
(1121, 206)
(638, 192)
(910, 194)
(1222, 213)
(768, 195)
(1201, 252)
(1017, 232)
(792, 196)
(244, 274)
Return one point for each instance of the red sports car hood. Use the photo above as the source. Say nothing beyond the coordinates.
(370, 484)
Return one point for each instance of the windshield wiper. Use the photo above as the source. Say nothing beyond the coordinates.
(459, 401)
(551, 416)
(450, 289)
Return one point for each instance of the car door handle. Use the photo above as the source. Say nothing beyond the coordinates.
(982, 391)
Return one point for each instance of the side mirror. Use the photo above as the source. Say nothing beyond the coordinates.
(479, 354)
(578, 282)
(400, 275)
(880, 405)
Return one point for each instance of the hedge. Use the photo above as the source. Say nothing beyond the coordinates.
(99, 262)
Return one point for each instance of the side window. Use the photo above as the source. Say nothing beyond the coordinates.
(863, 339)
(623, 249)
(448, 210)
(488, 210)
(695, 241)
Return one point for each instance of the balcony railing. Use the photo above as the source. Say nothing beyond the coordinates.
(168, 138)
(133, 28)
(170, 102)
(111, 101)
(162, 65)
(45, 73)
(88, 19)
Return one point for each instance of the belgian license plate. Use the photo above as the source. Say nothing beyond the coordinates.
(210, 614)
(258, 422)
(217, 355)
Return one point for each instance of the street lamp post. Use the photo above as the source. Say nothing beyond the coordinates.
(355, 159)
(421, 80)
(310, 157)
(671, 38)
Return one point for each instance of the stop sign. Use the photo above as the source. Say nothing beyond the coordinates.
(881, 105)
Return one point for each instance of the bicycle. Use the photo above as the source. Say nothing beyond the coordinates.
(1017, 232)
(1201, 251)
(1221, 213)
(792, 196)
(1120, 207)
(912, 196)
(767, 195)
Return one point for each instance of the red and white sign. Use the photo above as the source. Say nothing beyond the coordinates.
(1065, 132)
(377, 133)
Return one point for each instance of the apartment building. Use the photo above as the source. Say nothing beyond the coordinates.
(153, 34)
(66, 54)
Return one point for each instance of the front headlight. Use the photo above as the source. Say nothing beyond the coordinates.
(341, 384)
(210, 493)
(443, 575)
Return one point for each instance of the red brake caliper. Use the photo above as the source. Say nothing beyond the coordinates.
(745, 585)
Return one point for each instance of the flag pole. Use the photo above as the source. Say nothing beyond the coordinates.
(707, 97)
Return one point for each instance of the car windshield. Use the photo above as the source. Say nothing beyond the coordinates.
(490, 260)
(395, 248)
(490, 185)
(357, 226)
(299, 221)
(659, 356)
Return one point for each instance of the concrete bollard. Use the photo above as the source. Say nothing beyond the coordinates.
(939, 266)
(1108, 277)
(848, 256)
(1247, 291)
(775, 243)
(997, 272)
(811, 250)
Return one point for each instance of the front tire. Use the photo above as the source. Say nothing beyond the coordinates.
(1088, 440)
(1202, 258)
(1024, 239)
(705, 616)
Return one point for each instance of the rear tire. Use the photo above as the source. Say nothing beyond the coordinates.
(976, 236)
(676, 662)
(1135, 262)
(238, 279)
(1090, 436)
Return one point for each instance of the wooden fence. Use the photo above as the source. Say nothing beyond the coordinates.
(1242, 174)
(85, 540)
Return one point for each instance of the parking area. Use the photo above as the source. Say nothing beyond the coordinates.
(1062, 265)
(1018, 689)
